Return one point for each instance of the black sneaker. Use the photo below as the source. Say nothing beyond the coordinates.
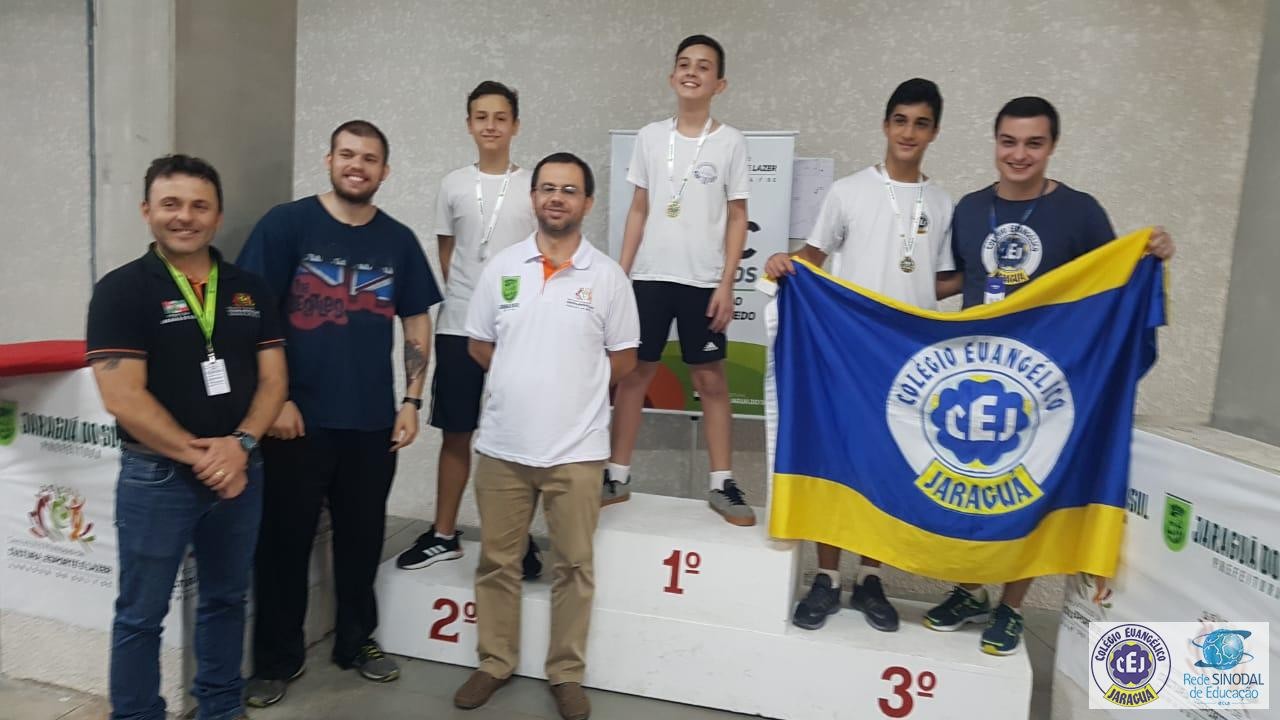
(959, 608)
(821, 600)
(261, 692)
(869, 599)
(532, 561)
(373, 664)
(429, 549)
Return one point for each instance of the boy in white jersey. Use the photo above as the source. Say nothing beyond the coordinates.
(481, 209)
(888, 229)
(683, 239)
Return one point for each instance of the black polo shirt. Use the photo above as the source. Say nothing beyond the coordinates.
(137, 311)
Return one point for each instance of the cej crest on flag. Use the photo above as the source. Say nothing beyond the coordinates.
(995, 413)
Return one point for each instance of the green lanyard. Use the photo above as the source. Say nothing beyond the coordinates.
(207, 312)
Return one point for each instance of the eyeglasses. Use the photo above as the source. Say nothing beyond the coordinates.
(569, 191)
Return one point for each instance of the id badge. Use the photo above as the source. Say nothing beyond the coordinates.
(215, 377)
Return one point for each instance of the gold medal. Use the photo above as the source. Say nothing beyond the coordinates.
(907, 264)
(673, 209)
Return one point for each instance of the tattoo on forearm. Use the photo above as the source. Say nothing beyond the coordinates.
(415, 361)
(108, 363)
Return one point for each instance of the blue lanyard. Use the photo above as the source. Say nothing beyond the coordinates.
(991, 217)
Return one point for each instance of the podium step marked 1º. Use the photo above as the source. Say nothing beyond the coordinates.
(691, 609)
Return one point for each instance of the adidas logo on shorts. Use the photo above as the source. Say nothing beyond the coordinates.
(710, 347)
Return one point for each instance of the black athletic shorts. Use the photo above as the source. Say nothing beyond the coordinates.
(456, 387)
(661, 302)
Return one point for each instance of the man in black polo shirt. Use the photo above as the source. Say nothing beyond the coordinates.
(188, 354)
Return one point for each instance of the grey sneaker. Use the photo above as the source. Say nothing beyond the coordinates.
(612, 492)
(374, 665)
(261, 692)
(732, 504)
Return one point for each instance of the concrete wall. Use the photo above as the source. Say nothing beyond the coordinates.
(134, 119)
(234, 102)
(1247, 394)
(1141, 86)
(44, 191)
(210, 79)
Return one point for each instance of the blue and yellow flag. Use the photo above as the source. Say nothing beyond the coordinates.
(987, 445)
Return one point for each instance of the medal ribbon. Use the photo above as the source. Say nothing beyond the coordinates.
(671, 160)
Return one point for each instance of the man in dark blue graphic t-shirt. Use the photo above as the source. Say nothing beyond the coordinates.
(343, 270)
(1005, 236)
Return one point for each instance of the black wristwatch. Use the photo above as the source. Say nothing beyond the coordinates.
(248, 443)
(416, 402)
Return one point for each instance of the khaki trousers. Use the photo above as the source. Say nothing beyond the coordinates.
(507, 494)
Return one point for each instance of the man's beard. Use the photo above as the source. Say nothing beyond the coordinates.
(559, 229)
(354, 198)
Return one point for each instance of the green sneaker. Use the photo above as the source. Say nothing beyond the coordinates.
(374, 665)
(960, 608)
(1003, 633)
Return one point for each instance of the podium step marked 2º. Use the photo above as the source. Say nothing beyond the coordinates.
(691, 609)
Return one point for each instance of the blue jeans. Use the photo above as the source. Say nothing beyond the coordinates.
(161, 509)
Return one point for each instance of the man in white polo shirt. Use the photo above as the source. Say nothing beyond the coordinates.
(554, 322)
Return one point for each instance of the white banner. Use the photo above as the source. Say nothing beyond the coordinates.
(59, 456)
(1201, 545)
(769, 165)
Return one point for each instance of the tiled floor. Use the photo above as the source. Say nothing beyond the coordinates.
(426, 689)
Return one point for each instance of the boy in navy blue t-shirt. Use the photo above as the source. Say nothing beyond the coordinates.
(343, 270)
(1004, 236)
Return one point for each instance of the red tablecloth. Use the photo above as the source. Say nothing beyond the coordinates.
(41, 357)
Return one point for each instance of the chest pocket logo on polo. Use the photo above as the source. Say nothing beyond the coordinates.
(510, 291)
(242, 305)
(581, 298)
(175, 311)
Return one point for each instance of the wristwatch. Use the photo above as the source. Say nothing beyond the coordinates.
(248, 443)
(416, 402)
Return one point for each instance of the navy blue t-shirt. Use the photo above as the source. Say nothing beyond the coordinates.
(1064, 225)
(340, 288)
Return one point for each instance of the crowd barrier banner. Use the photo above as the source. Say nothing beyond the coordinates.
(59, 460)
(769, 159)
(59, 456)
(1201, 544)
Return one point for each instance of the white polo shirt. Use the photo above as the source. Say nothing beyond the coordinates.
(547, 397)
(458, 214)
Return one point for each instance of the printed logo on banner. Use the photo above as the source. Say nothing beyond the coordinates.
(1177, 522)
(996, 414)
(1130, 664)
(8, 421)
(1179, 665)
(59, 515)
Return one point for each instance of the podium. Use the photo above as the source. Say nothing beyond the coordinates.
(691, 609)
